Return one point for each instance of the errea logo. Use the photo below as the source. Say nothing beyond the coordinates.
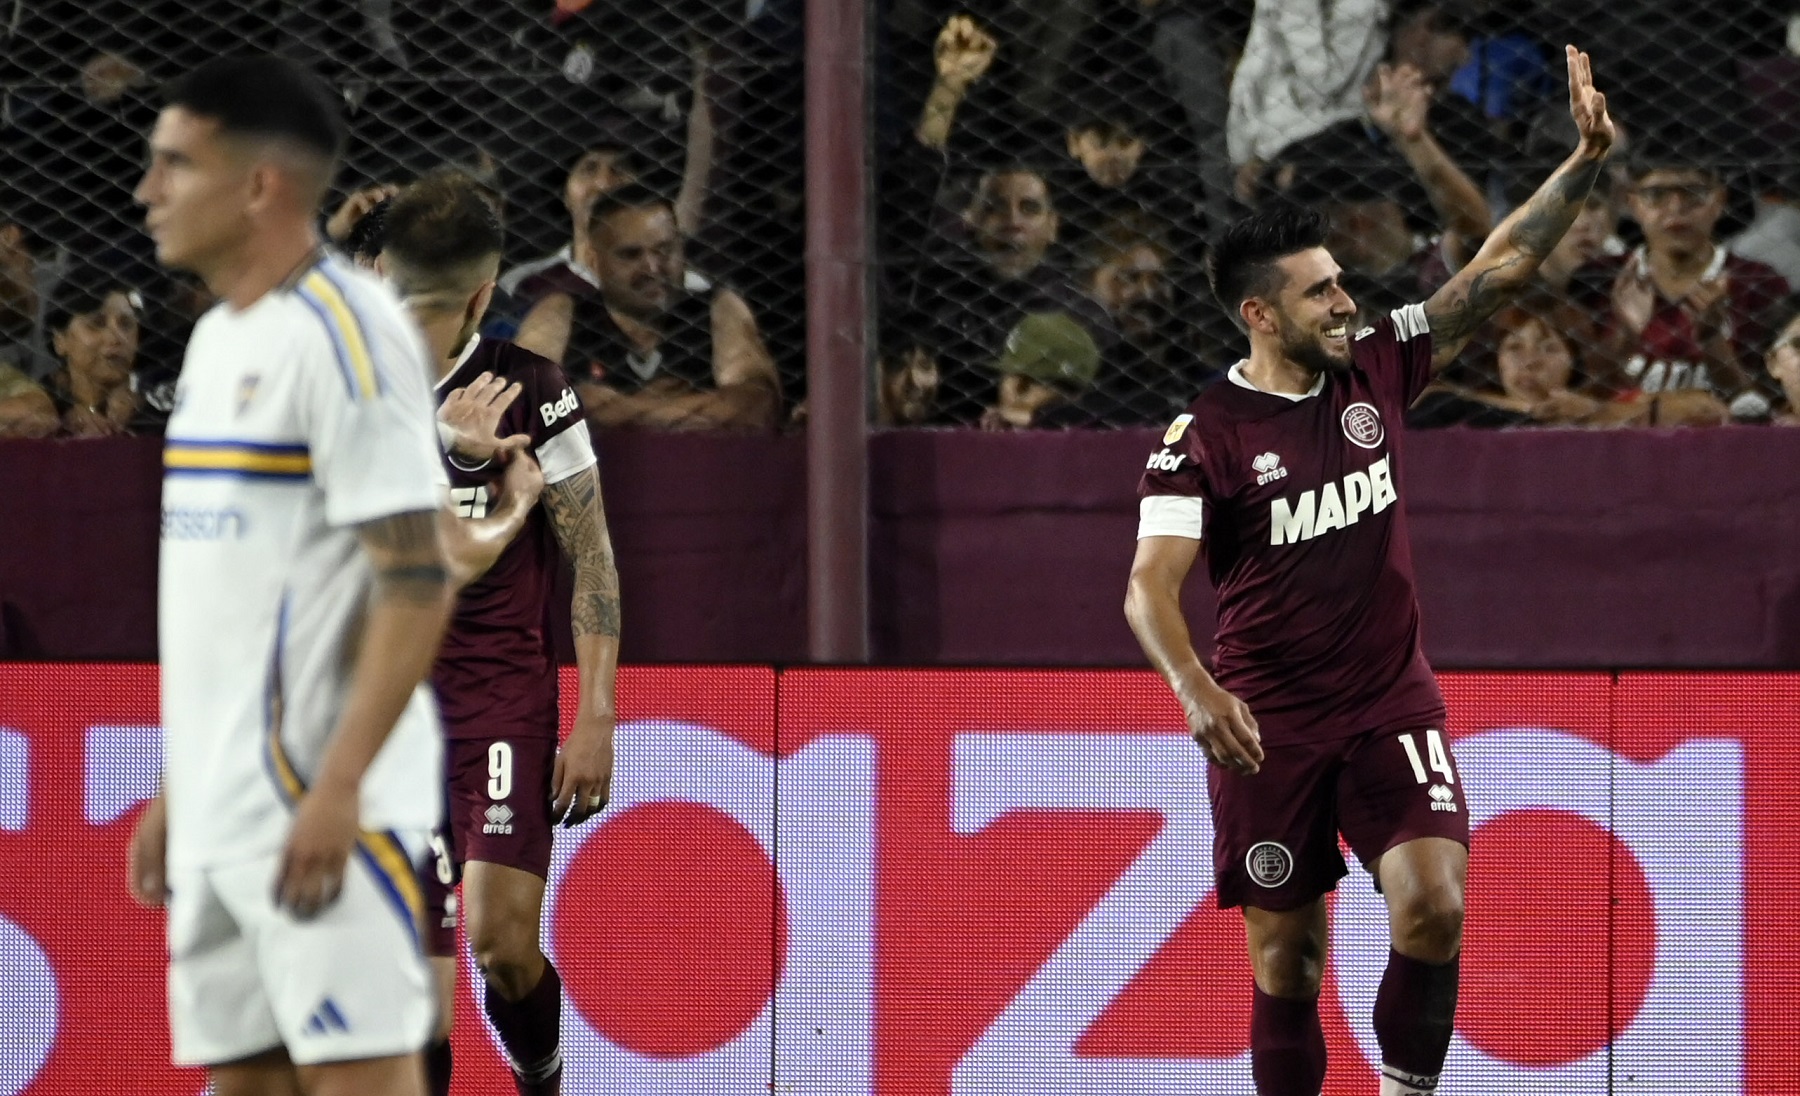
(1442, 798)
(499, 819)
(550, 412)
(1268, 468)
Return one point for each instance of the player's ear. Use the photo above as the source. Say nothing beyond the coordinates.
(478, 304)
(1257, 315)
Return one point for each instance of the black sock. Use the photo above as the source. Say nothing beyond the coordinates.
(531, 1031)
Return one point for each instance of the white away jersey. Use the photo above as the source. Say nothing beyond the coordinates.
(296, 420)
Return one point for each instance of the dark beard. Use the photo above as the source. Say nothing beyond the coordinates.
(1306, 349)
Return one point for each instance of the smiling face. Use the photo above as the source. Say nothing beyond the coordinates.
(100, 346)
(1311, 312)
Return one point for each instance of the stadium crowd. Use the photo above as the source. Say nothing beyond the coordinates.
(1049, 175)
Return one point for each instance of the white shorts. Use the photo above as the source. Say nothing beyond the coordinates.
(246, 976)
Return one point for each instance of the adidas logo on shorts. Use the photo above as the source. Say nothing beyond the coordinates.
(499, 819)
(1442, 798)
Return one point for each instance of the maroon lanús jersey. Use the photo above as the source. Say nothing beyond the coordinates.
(1296, 503)
(495, 673)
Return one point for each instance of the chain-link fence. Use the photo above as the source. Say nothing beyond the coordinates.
(549, 103)
(1053, 169)
(1048, 175)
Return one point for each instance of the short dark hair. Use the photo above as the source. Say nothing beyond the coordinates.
(82, 290)
(439, 232)
(367, 235)
(265, 96)
(1664, 152)
(1242, 263)
(629, 196)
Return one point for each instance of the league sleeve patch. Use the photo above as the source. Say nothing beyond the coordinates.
(1176, 429)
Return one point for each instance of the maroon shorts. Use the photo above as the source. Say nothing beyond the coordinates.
(1275, 834)
(497, 802)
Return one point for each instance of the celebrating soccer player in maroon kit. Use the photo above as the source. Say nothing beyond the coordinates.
(495, 675)
(1321, 715)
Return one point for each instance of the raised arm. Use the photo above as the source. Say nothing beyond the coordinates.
(1513, 251)
(696, 175)
(962, 56)
(1399, 103)
(583, 774)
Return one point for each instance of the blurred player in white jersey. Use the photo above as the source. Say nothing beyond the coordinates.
(301, 749)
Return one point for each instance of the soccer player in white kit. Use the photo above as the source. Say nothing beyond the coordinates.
(302, 596)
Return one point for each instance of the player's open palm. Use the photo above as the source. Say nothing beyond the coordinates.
(1586, 105)
(318, 851)
(582, 779)
(1223, 726)
(473, 416)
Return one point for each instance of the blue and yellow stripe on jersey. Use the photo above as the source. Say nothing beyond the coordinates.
(381, 852)
(322, 293)
(386, 859)
(226, 457)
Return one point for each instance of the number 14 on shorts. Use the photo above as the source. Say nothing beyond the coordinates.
(1435, 754)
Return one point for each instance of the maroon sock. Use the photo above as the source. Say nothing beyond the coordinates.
(531, 1031)
(1287, 1046)
(1415, 1013)
(437, 1068)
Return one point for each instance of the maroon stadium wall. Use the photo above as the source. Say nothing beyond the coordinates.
(1534, 549)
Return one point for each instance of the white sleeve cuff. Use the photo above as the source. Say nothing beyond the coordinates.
(1410, 321)
(566, 454)
(1170, 516)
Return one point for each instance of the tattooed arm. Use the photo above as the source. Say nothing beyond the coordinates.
(405, 618)
(1514, 250)
(584, 765)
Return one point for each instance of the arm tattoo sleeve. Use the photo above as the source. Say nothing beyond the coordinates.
(580, 525)
(1531, 233)
(408, 560)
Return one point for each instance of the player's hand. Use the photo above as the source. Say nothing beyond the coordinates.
(522, 484)
(343, 219)
(582, 778)
(963, 52)
(1399, 101)
(473, 416)
(1223, 726)
(1587, 106)
(317, 852)
(147, 858)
